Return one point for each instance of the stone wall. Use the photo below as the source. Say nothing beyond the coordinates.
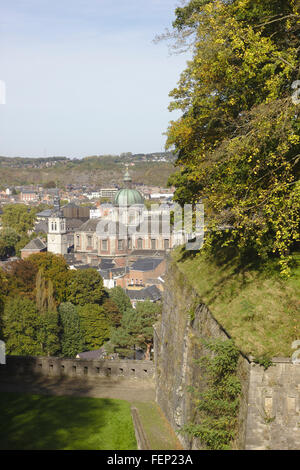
(55, 366)
(273, 418)
(269, 415)
(184, 320)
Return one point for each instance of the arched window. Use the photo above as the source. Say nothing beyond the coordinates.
(89, 241)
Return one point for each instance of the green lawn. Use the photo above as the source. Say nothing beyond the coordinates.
(69, 423)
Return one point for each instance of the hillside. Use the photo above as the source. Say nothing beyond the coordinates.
(152, 169)
(259, 310)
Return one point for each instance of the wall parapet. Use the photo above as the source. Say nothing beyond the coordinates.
(65, 367)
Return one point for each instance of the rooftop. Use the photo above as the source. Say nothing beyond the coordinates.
(146, 264)
(149, 293)
(89, 226)
(35, 244)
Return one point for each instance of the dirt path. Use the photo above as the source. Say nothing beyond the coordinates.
(117, 388)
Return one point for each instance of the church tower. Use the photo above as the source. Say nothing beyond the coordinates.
(57, 242)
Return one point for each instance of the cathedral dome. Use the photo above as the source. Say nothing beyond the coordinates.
(128, 197)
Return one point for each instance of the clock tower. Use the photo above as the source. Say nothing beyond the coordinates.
(57, 241)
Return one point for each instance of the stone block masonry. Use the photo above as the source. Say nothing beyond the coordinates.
(61, 367)
(273, 417)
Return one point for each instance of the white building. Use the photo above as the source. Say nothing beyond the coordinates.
(57, 239)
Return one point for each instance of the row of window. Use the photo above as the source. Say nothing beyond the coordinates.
(121, 244)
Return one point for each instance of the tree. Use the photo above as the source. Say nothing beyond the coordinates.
(136, 330)
(148, 313)
(94, 325)
(3, 250)
(19, 217)
(238, 138)
(72, 341)
(112, 312)
(85, 287)
(41, 292)
(46, 305)
(118, 296)
(21, 278)
(50, 297)
(49, 333)
(3, 293)
(124, 339)
(53, 268)
(8, 241)
(21, 327)
(24, 240)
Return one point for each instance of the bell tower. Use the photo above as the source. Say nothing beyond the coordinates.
(57, 242)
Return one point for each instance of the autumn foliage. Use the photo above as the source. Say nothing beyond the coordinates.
(238, 138)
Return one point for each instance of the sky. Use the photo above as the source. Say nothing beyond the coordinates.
(83, 77)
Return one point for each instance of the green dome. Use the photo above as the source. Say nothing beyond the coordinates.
(128, 197)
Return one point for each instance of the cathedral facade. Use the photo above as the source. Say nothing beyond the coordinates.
(128, 228)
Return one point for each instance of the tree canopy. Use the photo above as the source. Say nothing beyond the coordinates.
(94, 325)
(85, 286)
(49, 309)
(53, 268)
(118, 296)
(238, 137)
(21, 327)
(72, 341)
(21, 278)
(136, 329)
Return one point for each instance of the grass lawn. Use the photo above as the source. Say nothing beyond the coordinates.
(258, 309)
(69, 423)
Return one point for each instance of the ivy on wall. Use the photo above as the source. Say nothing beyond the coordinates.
(218, 404)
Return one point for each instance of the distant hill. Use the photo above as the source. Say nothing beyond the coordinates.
(152, 169)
